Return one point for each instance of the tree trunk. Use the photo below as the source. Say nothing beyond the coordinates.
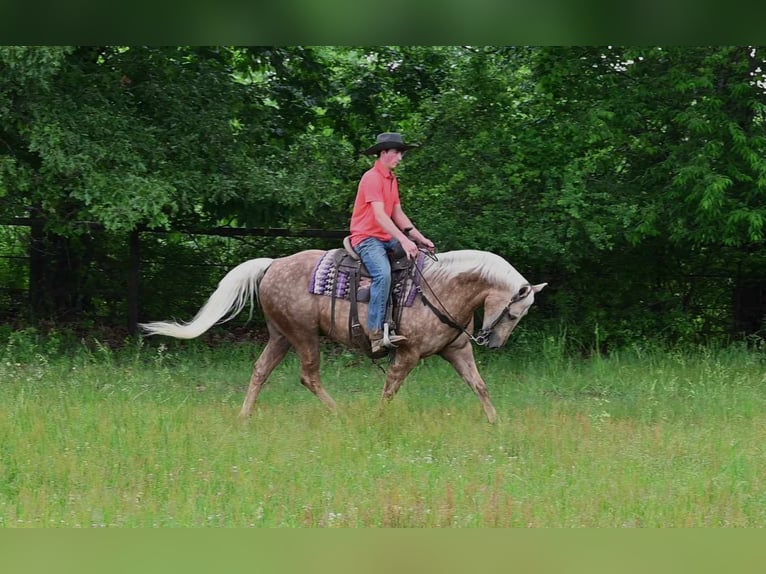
(749, 307)
(56, 275)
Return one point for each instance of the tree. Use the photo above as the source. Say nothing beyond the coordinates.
(102, 141)
(668, 169)
(631, 179)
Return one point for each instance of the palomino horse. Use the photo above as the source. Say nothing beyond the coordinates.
(440, 322)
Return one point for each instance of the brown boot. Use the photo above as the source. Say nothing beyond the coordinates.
(376, 342)
(378, 345)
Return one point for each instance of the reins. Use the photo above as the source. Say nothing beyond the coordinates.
(482, 338)
(444, 315)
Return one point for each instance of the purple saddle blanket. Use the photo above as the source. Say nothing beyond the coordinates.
(326, 274)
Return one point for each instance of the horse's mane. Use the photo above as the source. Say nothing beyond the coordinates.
(489, 266)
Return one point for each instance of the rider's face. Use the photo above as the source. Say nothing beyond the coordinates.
(390, 158)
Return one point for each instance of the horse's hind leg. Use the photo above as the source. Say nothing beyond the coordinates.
(272, 355)
(461, 357)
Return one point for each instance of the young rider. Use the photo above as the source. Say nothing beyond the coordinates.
(377, 224)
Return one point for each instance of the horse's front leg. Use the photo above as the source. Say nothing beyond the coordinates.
(404, 361)
(460, 356)
(308, 353)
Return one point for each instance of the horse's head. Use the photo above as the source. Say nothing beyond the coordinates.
(501, 315)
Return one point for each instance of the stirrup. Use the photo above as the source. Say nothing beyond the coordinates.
(387, 338)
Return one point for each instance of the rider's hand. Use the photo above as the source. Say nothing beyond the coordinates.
(427, 244)
(410, 248)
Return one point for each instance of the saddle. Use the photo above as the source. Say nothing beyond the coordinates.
(348, 261)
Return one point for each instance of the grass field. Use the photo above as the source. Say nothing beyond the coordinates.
(149, 436)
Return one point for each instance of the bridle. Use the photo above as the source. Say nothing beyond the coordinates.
(484, 335)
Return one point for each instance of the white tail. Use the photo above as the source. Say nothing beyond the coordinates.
(238, 287)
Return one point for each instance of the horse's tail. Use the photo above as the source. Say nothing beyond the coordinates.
(239, 286)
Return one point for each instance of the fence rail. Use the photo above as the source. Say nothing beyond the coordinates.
(134, 242)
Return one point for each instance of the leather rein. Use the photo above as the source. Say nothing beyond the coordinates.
(483, 336)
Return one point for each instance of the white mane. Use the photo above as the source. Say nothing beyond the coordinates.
(489, 266)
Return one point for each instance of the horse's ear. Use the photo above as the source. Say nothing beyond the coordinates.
(539, 287)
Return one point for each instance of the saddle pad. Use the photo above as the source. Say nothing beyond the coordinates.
(326, 274)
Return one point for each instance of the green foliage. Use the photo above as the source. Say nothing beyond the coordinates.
(624, 176)
(146, 136)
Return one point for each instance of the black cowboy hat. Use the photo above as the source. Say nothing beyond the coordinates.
(388, 140)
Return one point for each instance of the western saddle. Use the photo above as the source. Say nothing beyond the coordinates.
(347, 260)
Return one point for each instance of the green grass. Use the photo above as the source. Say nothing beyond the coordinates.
(150, 437)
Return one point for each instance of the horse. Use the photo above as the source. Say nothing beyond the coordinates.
(452, 286)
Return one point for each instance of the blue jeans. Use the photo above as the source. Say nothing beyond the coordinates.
(372, 252)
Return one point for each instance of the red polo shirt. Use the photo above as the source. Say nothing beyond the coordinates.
(377, 184)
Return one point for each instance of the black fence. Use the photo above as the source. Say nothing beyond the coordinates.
(117, 281)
